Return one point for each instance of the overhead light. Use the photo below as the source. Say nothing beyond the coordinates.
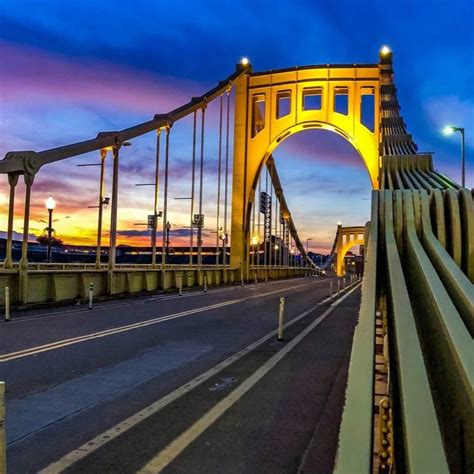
(448, 130)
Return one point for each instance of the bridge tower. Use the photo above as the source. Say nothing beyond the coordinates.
(273, 105)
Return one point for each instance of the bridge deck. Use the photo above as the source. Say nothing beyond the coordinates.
(99, 370)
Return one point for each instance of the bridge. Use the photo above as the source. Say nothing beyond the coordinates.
(407, 401)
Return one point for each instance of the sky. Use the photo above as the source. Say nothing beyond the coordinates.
(69, 69)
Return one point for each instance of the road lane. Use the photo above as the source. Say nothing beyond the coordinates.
(223, 328)
(221, 332)
(185, 424)
(29, 331)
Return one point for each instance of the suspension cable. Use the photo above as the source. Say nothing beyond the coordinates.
(193, 179)
(265, 250)
(165, 243)
(219, 180)
(201, 173)
(226, 176)
(271, 226)
(258, 215)
(155, 203)
(253, 244)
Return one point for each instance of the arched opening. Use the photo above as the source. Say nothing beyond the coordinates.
(324, 182)
(343, 266)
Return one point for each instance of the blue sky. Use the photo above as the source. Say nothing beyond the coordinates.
(69, 69)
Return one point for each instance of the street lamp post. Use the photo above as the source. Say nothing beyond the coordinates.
(50, 205)
(168, 228)
(450, 130)
(224, 238)
(254, 241)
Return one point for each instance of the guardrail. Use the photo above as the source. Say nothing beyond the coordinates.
(420, 262)
(72, 283)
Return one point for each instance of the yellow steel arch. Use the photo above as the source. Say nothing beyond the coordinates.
(341, 253)
(271, 106)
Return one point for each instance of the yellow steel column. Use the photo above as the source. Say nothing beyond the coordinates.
(239, 234)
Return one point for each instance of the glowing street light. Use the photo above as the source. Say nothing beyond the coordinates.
(384, 50)
(50, 205)
(244, 61)
(255, 240)
(449, 130)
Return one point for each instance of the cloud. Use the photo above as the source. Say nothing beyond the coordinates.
(34, 76)
(18, 236)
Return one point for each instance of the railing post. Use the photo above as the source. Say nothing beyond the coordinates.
(281, 319)
(7, 304)
(91, 294)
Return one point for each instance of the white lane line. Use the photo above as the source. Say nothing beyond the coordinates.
(108, 332)
(104, 438)
(139, 300)
(129, 327)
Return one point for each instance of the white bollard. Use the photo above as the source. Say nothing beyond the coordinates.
(3, 435)
(281, 319)
(205, 283)
(91, 294)
(343, 283)
(330, 290)
(180, 286)
(338, 287)
(256, 277)
(7, 304)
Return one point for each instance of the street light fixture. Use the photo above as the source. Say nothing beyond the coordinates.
(50, 205)
(449, 130)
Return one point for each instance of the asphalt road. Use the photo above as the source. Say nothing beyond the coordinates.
(196, 383)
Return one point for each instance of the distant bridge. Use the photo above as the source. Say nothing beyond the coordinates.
(411, 371)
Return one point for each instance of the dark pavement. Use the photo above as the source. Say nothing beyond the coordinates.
(73, 375)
